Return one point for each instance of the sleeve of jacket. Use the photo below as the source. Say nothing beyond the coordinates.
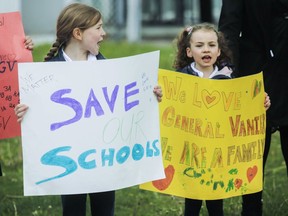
(230, 24)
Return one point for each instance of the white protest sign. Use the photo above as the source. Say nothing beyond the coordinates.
(91, 126)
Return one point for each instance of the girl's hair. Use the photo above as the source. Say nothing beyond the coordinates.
(183, 41)
(73, 16)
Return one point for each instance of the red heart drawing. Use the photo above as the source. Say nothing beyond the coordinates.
(163, 184)
(11, 57)
(210, 98)
(251, 173)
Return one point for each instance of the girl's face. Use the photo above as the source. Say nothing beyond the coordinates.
(204, 49)
(92, 38)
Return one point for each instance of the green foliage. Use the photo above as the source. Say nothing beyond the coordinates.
(130, 201)
(118, 49)
(40, 52)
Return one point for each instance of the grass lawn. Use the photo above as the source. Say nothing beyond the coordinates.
(131, 201)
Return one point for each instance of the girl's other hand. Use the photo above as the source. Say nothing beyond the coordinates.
(28, 43)
(267, 102)
(158, 92)
(20, 111)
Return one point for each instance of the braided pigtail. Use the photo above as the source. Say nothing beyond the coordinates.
(53, 50)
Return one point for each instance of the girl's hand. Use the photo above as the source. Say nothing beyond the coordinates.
(20, 111)
(267, 102)
(158, 92)
(28, 43)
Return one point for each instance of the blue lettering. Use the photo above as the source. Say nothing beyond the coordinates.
(157, 150)
(82, 160)
(74, 104)
(128, 93)
(137, 152)
(123, 154)
(111, 102)
(154, 151)
(109, 157)
(92, 101)
(51, 158)
(149, 151)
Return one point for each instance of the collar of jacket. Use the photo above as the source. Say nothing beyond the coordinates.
(60, 57)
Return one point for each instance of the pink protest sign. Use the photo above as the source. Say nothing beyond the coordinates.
(12, 51)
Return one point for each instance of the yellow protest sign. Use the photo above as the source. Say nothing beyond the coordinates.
(212, 136)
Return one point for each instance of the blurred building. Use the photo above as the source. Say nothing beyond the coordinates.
(124, 19)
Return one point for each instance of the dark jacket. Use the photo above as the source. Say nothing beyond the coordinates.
(257, 34)
(59, 56)
(251, 20)
(224, 73)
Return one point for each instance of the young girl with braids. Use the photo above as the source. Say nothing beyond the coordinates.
(79, 34)
(201, 51)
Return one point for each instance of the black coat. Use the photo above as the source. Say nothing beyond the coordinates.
(257, 33)
(246, 17)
